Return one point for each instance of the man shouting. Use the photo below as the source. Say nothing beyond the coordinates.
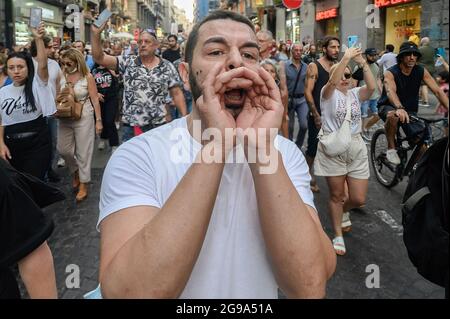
(190, 227)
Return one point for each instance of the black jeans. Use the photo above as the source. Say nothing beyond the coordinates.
(30, 154)
(313, 141)
(109, 110)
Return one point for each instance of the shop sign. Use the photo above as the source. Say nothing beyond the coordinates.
(48, 14)
(327, 14)
(293, 4)
(388, 3)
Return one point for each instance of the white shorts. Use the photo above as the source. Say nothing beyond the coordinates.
(353, 163)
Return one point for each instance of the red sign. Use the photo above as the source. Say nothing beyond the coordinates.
(327, 14)
(136, 34)
(388, 3)
(292, 4)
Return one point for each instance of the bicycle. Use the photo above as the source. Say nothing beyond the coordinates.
(388, 174)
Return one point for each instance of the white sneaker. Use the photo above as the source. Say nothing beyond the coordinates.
(113, 149)
(101, 145)
(61, 162)
(392, 157)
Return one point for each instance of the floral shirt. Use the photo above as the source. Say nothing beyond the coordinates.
(146, 90)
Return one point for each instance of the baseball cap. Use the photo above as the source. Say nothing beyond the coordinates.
(371, 51)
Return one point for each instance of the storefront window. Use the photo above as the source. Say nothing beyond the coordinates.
(22, 33)
(293, 26)
(402, 22)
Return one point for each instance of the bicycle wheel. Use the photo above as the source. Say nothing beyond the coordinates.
(385, 172)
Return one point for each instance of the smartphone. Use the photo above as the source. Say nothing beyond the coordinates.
(102, 18)
(353, 41)
(35, 17)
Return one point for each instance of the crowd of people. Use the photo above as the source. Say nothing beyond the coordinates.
(227, 74)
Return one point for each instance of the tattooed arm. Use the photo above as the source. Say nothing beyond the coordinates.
(310, 82)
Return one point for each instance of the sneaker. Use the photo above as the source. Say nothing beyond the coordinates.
(61, 162)
(346, 224)
(392, 157)
(113, 149)
(101, 145)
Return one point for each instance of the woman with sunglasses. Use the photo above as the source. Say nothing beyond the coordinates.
(24, 135)
(350, 168)
(76, 138)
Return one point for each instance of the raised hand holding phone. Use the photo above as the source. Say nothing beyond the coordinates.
(102, 18)
(35, 17)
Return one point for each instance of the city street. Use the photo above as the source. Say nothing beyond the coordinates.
(375, 239)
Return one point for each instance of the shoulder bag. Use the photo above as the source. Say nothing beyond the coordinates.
(338, 142)
(67, 105)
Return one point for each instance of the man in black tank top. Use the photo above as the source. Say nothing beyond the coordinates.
(316, 77)
(400, 97)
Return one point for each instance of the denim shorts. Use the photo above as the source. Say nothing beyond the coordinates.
(369, 104)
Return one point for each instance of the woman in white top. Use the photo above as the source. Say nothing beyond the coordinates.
(25, 143)
(24, 104)
(76, 137)
(350, 168)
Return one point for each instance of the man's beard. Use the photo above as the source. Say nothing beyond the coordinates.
(331, 58)
(196, 90)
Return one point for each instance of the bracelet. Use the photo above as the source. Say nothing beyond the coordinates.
(98, 120)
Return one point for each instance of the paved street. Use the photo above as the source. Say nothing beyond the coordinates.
(375, 239)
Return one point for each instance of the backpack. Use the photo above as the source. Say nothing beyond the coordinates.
(425, 215)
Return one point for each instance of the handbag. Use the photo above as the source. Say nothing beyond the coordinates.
(338, 142)
(67, 106)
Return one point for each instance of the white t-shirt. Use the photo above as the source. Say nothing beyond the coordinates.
(53, 72)
(387, 60)
(335, 108)
(13, 108)
(233, 262)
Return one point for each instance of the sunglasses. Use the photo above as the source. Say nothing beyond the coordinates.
(69, 64)
(347, 76)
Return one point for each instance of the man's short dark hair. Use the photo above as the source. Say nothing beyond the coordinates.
(215, 15)
(390, 48)
(173, 36)
(33, 49)
(327, 40)
(84, 44)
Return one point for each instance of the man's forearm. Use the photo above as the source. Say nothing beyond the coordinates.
(310, 102)
(442, 97)
(157, 262)
(97, 51)
(299, 249)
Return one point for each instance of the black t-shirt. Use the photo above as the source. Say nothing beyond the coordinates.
(171, 55)
(107, 83)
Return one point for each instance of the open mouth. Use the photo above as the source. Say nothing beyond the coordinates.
(234, 99)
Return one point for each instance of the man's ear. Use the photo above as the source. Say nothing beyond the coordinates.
(184, 70)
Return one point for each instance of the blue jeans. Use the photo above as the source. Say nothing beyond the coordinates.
(300, 107)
